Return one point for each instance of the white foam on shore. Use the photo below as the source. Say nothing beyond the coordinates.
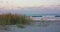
(46, 18)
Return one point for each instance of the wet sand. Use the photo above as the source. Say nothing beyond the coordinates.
(53, 27)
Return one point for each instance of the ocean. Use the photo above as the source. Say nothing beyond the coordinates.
(44, 16)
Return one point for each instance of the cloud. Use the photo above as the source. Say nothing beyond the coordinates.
(14, 4)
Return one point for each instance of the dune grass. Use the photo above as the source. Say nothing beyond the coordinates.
(14, 19)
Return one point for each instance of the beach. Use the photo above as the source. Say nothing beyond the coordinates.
(54, 26)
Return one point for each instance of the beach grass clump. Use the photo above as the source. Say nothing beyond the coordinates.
(15, 19)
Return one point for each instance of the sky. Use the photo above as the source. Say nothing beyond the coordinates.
(9, 4)
(49, 6)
